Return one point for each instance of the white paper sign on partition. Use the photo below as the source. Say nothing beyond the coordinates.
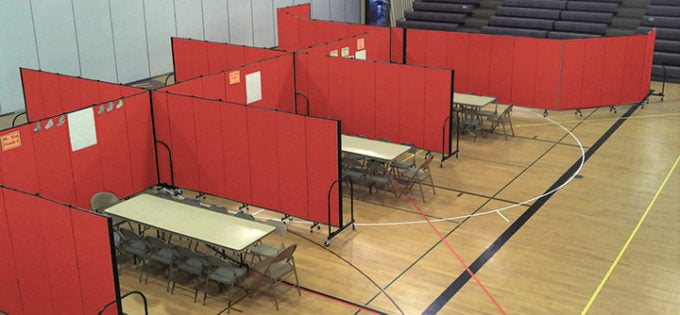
(81, 129)
(253, 87)
(361, 54)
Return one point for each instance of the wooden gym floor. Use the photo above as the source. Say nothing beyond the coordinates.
(607, 242)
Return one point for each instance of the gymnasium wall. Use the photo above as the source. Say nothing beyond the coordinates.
(273, 78)
(49, 94)
(126, 41)
(48, 160)
(266, 158)
(542, 73)
(55, 259)
(402, 103)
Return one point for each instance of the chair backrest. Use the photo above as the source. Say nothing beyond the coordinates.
(157, 243)
(377, 168)
(286, 254)
(412, 149)
(280, 229)
(129, 235)
(102, 200)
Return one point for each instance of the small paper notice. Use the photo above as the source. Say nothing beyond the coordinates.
(253, 87)
(81, 129)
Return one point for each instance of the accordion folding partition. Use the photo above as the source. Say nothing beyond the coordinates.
(55, 259)
(194, 58)
(263, 157)
(58, 259)
(531, 72)
(541, 73)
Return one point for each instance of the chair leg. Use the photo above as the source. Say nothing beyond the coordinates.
(422, 194)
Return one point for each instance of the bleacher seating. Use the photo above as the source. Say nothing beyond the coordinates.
(443, 15)
(664, 16)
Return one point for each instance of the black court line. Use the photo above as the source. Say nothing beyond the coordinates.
(464, 277)
(337, 299)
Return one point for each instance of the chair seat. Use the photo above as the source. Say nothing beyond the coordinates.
(165, 256)
(266, 250)
(401, 165)
(227, 274)
(419, 174)
(192, 265)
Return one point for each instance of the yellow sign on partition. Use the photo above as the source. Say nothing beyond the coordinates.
(334, 53)
(234, 77)
(344, 52)
(11, 141)
(360, 43)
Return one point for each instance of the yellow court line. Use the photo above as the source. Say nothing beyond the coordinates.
(595, 119)
(630, 238)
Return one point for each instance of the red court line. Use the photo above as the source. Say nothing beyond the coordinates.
(460, 260)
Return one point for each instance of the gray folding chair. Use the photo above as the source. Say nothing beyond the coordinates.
(413, 176)
(194, 264)
(271, 250)
(501, 119)
(102, 200)
(225, 274)
(163, 254)
(274, 270)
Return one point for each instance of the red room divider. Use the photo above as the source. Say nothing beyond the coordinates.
(48, 94)
(297, 31)
(275, 82)
(402, 103)
(193, 58)
(374, 45)
(44, 270)
(121, 160)
(542, 73)
(267, 158)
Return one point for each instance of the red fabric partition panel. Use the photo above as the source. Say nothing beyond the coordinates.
(287, 31)
(457, 47)
(236, 93)
(339, 84)
(286, 86)
(52, 103)
(573, 65)
(649, 56)
(181, 55)
(613, 71)
(317, 85)
(411, 106)
(292, 157)
(209, 146)
(263, 152)
(113, 146)
(109, 91)
(183, 140)
(434, 54)
(217, 57)
(636, 48)
(10, 299)
(322, 161)
(375, 43)
(502, 55)
(363, 86)
(33, 93)
(88, 168)
(269, 74)
(236, 56)
(416, 51)
(301, 68)
(69, 88)
(95, 269)
(397, 44)
(236, 150)
(60, 254)
(33, 275)
(214, 86)
(89, 92)
(18, 165)
(53, 162)
(199, 59)
(161, 120)
(480, 59)
(593, 72)
(523, 71)
(547, 87)
(140, 142)
(386, 101)
(437, 108)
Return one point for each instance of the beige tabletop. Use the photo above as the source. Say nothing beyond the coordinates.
(472, 100)
(380, 150)
(201, 224)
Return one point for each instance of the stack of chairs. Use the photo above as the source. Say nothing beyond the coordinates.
(664, 15)
(443, 15)
(559, 19)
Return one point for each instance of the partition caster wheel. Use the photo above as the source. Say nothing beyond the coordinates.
(354, 227)
(327, 243)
